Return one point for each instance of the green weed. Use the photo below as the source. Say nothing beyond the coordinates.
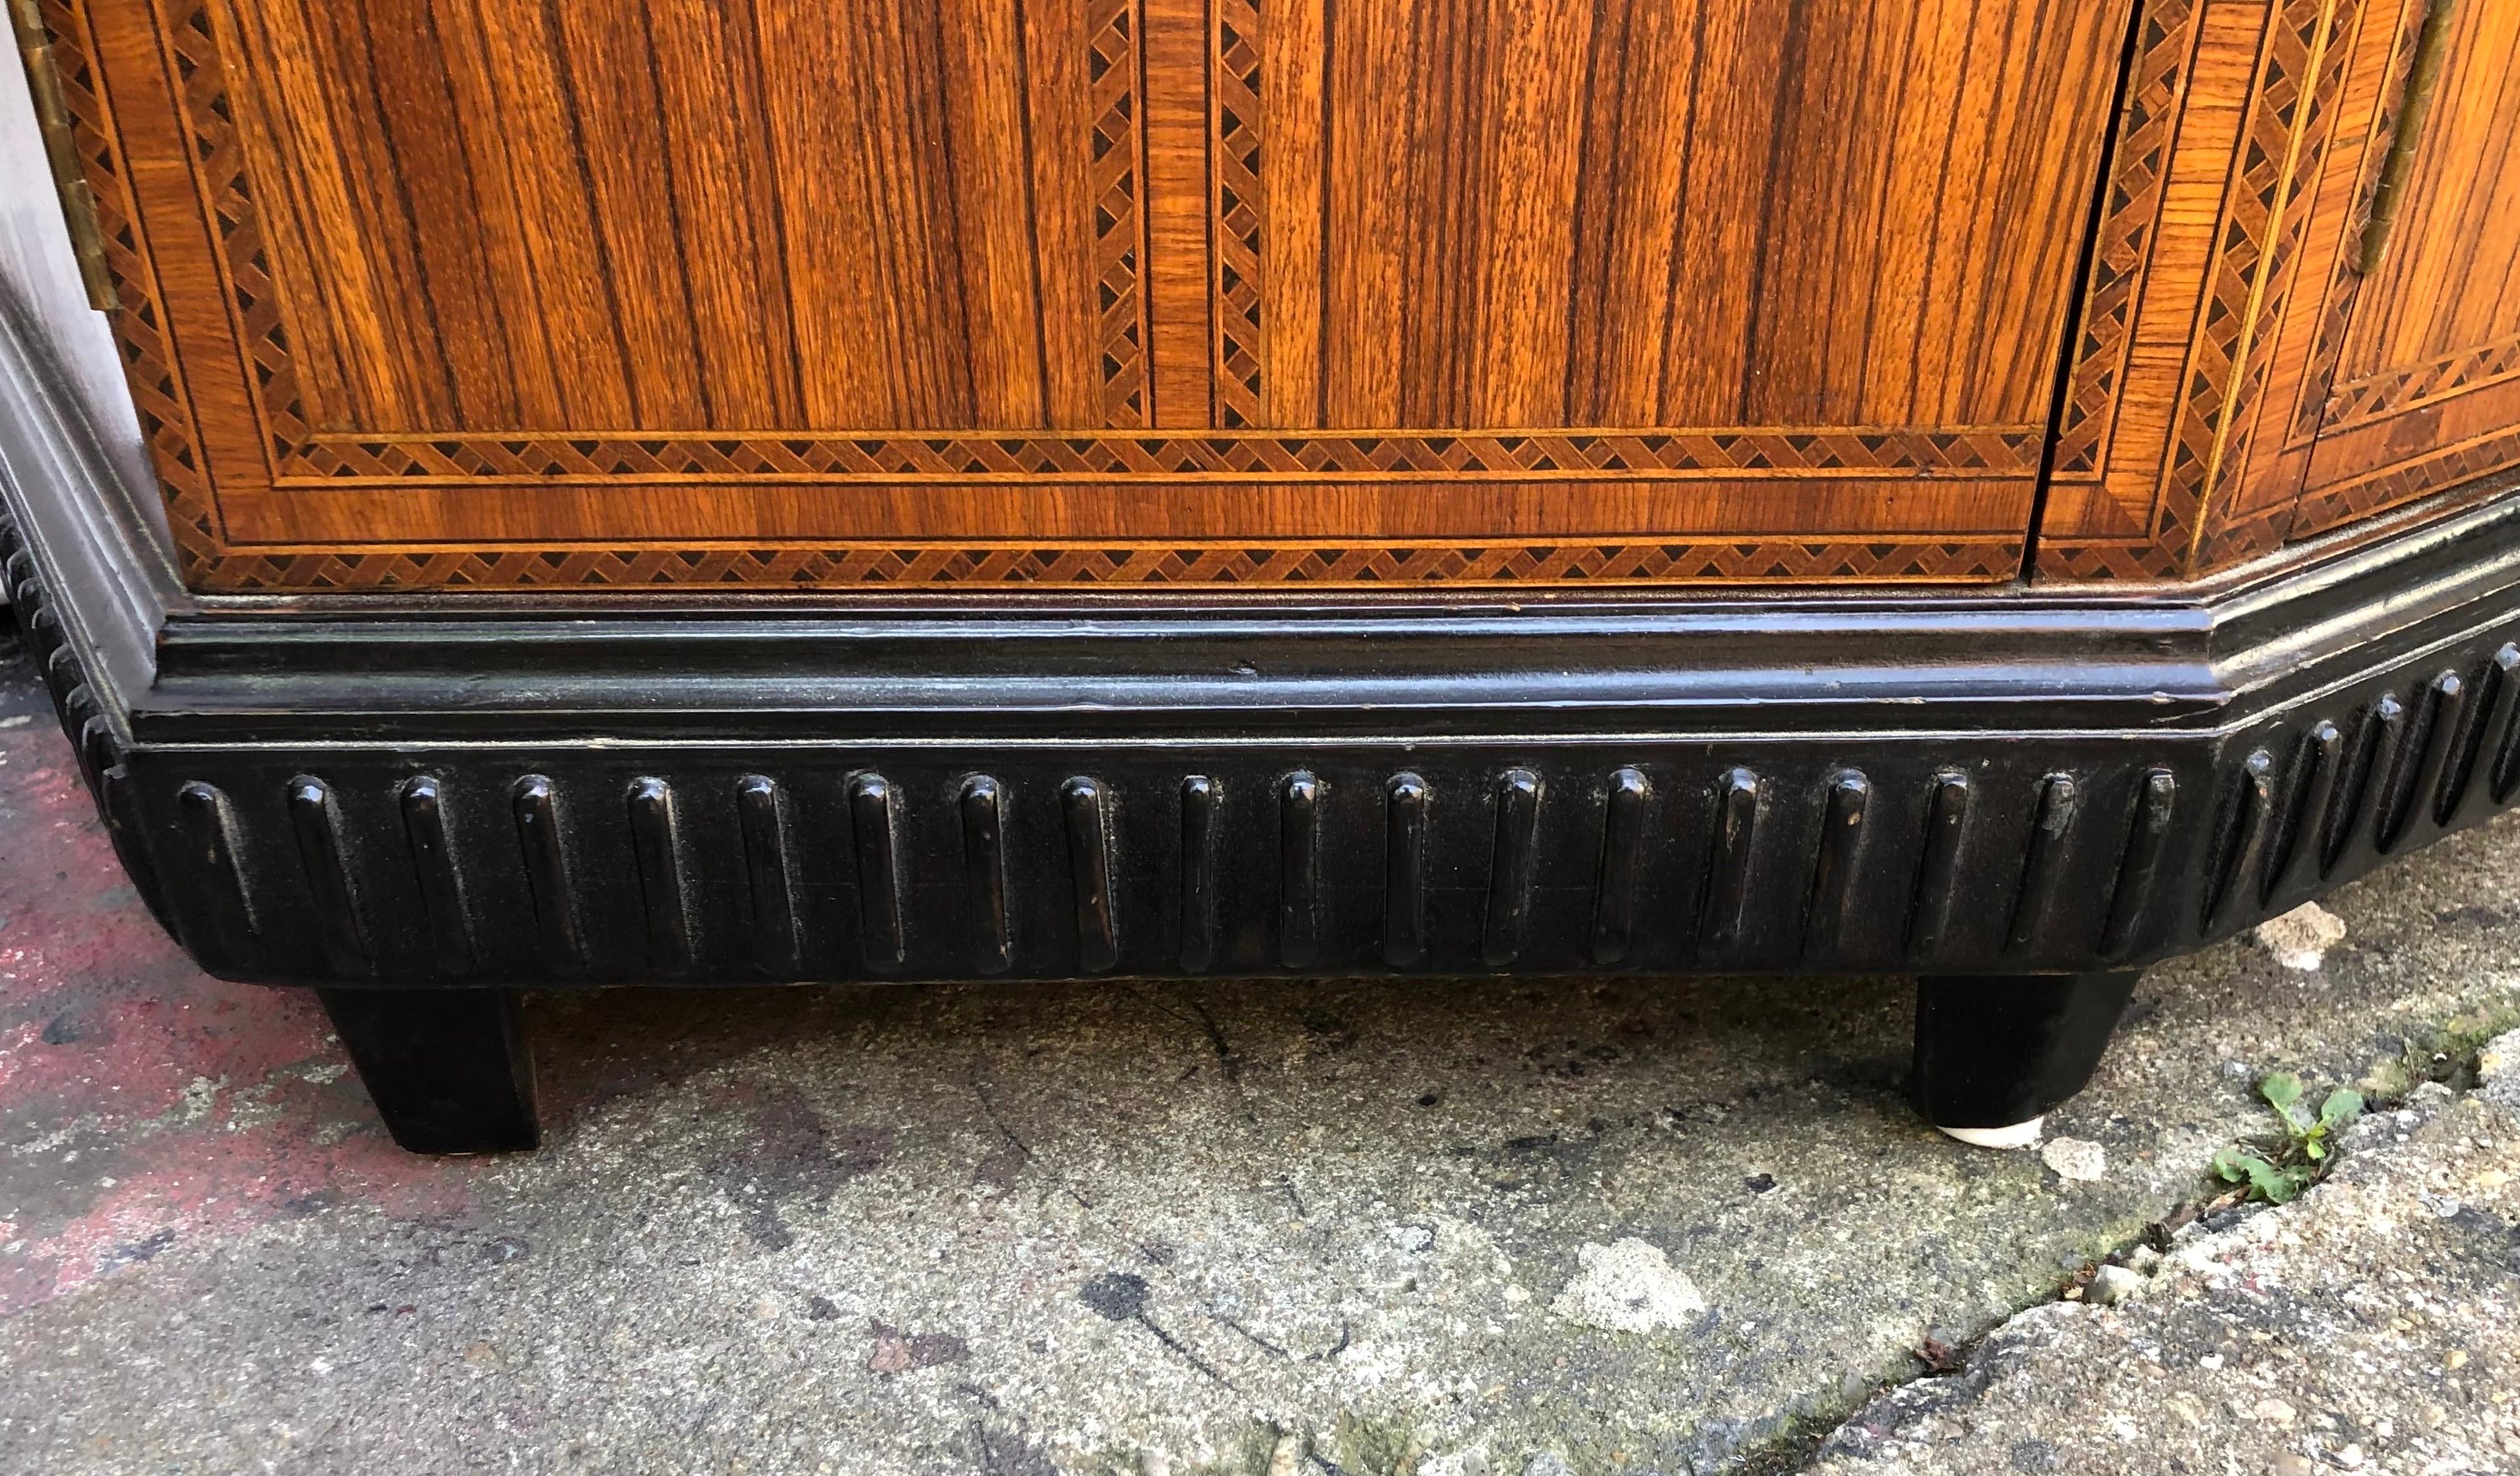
(2303, 1154)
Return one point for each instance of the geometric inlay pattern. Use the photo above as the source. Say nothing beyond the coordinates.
(1126, 564)
(2012, 450)
(303, 456)
(2418, 384)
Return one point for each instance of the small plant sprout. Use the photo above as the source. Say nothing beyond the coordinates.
(2302, 1156)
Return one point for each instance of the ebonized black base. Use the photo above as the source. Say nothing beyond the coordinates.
(434, 795)
(1996, 1050)
(448, 1069)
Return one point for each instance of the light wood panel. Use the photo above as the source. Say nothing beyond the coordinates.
(2241, 383)
(2425, 389)
(1685, 280)
(2450, 284)
(1519, 215)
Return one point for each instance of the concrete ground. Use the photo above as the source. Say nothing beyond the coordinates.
(2371, 1326)
(1465, 1229)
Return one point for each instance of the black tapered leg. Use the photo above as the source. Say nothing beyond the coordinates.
(447, 1067)
(1999, 1050)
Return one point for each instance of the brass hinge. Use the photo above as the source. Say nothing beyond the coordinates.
(60, 151)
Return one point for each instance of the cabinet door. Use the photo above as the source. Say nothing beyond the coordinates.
(2297, 383)
(2423, 366)
(910, 293)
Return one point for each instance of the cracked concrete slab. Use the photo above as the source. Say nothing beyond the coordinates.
(1242, 1227)
(2372, 1325)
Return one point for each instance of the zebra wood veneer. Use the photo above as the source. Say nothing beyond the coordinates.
(713, 490)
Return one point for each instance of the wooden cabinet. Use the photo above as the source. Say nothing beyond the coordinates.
(2246, 378)
(2393, 370)
(906, 293)
(2416, 376)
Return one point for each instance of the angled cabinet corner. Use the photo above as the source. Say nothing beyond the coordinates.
(2303, 312)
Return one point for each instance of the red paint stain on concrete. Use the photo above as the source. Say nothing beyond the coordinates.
(143, 1104)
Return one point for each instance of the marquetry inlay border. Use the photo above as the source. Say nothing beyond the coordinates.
(193, 68)
(2336, 311)
(2185, 477)
(1355, 565)
(2282, 159)
(2134, 543)
(2329, 406)
(2138, 174)
(2412, 387)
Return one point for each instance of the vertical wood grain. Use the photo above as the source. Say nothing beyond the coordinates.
(726, 209)
(2037, 234)
(613, 116)
(1909, 265)
(1639, 135)
(1295, 242)
(1854, 298)
(1720, 237)
(1447, 169)
(505, 213)
(1059, 117)
(880, 321)
(1955, 263)
(540, 206)
(985, 83)
(413, 162)
(1367, 236)
(1525, 260)
(1176, 61)
(341, 363)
